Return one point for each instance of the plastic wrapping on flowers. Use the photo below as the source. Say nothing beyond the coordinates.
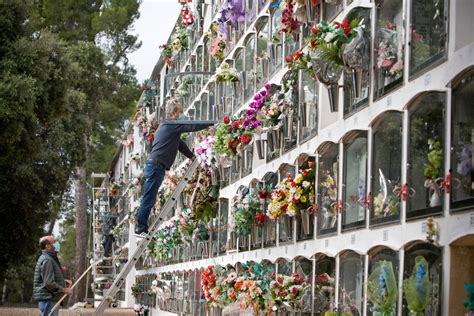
(329, 39)
(204, 149)
(287, 290)
(417, 288)
(382, 288)
(279, 202)
(246, 208)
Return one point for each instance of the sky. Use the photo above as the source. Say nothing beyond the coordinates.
(157, 20)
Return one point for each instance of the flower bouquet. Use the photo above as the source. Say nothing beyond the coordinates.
(204, 150)
(417, 287)
(150, 90)
(433, 171)
(141, 310)
(327, 42)
(179, 39)
(301, 196)
(287, 290)
(328, 203)
(210, 278)
(382, 289)
(217, 44)
(279, 202)
(225, 73)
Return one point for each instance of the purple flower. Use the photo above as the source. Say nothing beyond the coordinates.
(253, 104)
(268, 86)
(250, 111)
(246, 123)
(257, 97)
(255, 124)
(259, 103)
(251, 117)
(263, 93)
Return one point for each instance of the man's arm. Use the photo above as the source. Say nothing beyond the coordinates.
(187, 128)
(184, 149)
(47, 273)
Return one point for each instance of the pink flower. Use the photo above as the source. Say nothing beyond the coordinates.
(398, 66)
(385, 63)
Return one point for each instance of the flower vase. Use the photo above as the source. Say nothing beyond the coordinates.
(255, 235)
(285, 224)
(288, 125)
(270, 232)
(435, 199)
(333, 93)
(232, 242)
(276, 135)
(246, 160)
(304, 115)
(306, 222)
(357, 76)
(214, 176)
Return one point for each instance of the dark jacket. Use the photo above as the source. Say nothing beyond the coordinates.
(108, 223)
(168, 141)
(48, 281)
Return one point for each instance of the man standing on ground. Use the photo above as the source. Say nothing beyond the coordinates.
(165, 147)
(49, 283)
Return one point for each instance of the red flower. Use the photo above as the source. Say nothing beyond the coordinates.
(305, 172)
(310, 163)
(150, 137)
(235, 124)
(280, 280)
(294, 290)
(294, 200)
(260, 218)
(262, 194)
(293, 183)
(226, 120)
(315, 30)
(245, 138)
(322, 279)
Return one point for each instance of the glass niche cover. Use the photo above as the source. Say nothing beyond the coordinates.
(425, 178)
(389, 40)
(386, 169)
(462, 187)
(355, 176)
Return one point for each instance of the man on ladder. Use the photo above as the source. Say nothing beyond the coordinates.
(166, 143)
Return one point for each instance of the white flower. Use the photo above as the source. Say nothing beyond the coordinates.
(329, 37)
(306, 184)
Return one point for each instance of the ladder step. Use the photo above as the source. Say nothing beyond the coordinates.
(119, 280)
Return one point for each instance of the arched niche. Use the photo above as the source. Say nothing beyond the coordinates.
(434, 256)
(325, 274)
(354, 192)
(462, 131)
(327, 188)
(389, 46)
(387, 133)
(351, 281)
(426, 134)
(284, 266)
(379, 255)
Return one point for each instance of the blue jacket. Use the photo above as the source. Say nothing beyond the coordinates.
(168, 141)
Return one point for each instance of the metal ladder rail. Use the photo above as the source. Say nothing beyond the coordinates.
(143, 244)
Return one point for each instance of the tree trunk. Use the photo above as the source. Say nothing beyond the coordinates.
(55, 210)
(80, 201)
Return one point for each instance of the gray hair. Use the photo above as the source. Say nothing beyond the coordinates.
(173, 106)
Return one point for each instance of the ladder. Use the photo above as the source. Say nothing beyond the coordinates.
(143, 244)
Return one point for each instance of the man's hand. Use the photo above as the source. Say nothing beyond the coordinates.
(68, 283)
(67, 290)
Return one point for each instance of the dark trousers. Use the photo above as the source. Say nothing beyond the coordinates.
(154, 175)
(108, 244)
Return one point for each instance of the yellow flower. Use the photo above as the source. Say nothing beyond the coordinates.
(299, 179)
(303, 199)
(299, 190)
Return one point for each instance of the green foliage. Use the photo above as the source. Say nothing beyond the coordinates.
(417, 288)
(433, 169)
(382, 288)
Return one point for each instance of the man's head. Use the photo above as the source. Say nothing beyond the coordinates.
(173, 109)
(48, 243)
